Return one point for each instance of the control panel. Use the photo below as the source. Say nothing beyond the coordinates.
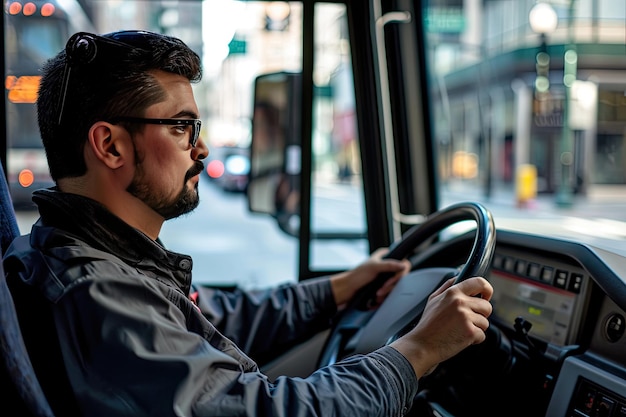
(591, 400)
(546, 292)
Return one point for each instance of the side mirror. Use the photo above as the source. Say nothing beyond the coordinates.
(275, 149)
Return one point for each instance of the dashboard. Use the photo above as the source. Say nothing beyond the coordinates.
(556, 346)
(559, 316)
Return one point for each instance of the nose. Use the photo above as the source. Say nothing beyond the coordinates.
(201, 151)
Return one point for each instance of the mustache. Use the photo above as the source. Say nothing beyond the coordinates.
(196, 169)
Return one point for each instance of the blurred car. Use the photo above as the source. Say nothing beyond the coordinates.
(228, 167)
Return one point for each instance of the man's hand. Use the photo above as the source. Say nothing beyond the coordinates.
(346, 284)
(455, 317)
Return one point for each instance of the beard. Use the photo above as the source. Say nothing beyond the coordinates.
(186, 200)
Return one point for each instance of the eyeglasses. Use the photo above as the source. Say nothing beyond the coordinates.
(196, 125)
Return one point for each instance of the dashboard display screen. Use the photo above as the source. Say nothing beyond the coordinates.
(549, 309)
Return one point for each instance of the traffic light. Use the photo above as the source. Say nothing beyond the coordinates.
(542, 82)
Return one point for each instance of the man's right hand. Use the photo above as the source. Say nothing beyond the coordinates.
(455, 317)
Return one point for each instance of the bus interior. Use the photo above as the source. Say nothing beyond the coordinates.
(472, 137)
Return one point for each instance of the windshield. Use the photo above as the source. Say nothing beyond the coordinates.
(527, 115)
(529, 112)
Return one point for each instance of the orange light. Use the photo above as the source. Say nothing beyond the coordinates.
(26, 178)
(47, 9)
(10, 81)
(30, 9)
(215, 169)
(22, 89)
(15, 7)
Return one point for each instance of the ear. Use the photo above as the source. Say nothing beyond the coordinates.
(109, 144)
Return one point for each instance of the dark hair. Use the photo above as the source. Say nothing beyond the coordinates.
(98, 78)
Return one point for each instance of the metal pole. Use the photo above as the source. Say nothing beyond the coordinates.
(570, 62)
(564, 194)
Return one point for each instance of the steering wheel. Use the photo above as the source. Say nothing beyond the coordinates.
(360, 328)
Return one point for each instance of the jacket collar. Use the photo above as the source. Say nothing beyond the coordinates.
(95, 225)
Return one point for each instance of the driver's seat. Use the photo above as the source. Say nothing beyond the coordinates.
(21, 391)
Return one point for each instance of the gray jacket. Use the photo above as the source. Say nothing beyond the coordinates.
(137, 340)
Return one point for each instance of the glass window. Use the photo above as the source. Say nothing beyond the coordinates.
(536, 125)
(239, 41)
(337, 205)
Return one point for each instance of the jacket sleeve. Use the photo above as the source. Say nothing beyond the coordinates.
(129, 351)
(265, 321)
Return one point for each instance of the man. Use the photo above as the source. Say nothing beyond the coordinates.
(109, 309)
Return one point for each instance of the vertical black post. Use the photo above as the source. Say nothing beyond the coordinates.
(308, 39)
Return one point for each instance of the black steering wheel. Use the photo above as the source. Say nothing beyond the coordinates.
(361, 329)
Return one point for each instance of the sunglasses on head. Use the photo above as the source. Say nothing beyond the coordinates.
(87, 48)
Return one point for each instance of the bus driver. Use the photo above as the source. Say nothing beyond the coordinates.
(110, 307)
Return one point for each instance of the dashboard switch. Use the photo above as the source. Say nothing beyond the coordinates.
(614, 328)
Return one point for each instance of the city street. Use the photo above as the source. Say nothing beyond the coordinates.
(230, 244)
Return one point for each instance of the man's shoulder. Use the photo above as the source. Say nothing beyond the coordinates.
(56, 268)
(64, 248)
